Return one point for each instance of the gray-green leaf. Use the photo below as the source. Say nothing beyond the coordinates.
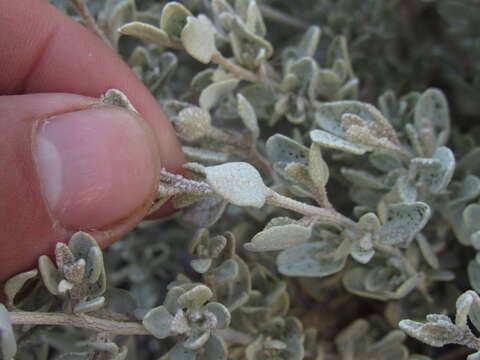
(237, 182)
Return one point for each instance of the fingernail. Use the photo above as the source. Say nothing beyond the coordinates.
(96, 166)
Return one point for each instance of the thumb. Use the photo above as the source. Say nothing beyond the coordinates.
(70, 163)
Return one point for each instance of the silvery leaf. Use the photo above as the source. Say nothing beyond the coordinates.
(236, 293)
(306, 260)
(363, 179)
(247, 114)
(215, 348)
(198, 38)
(117, 98)
(210, 96)
(463, 305)
(196, 339)
(201, 265)
(329, 115)
(94, 266)
(436, 334)
(404, 221)
(237, 182)
(158, 322)
(195, 297)
(246, 45)
(204, 213)
(279, 238)
(349, 90)
(193, 123)
(16, 283)
(254, 20)
(328, 140)
(362, 250)
(145, 32)
(466, 191)
(369, 222)
(225, 272)
(282, 148)
(308, 44)
(328, 83)
(8, 344)
(317, 167)
(51, 277)
(385, 161)
(89, 305)
(221, 313)
(432, 117)
(427, 251)
(73, 356)
(474, 275)
(204, 155)
(180, 352)
(80, 244)
(174, 18)
(120, 301)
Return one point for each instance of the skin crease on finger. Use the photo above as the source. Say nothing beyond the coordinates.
(42, 59)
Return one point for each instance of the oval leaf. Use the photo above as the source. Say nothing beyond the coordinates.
(237, 182)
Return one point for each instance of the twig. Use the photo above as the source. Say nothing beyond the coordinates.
(278, 200)
(82, 10)
(241, 72)
(282, 18)
(82, 321)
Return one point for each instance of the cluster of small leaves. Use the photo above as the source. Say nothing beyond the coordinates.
(304, 206)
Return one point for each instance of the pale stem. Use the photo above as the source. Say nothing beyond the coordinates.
(82, 10)
(278, 200)
(81, 321)
(241, 72)
(282, 18)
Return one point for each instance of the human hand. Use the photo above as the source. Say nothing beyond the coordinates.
(69, 162)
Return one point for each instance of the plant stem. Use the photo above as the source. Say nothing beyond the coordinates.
(82, 10)
(278, 200)
(282, 18)
(241, 72)
(82, 321)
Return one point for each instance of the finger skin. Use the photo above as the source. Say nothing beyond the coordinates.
(44, 51)
(27, 227)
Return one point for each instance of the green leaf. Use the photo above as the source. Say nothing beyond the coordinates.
(237, 182)
(196, 339)
(309, 260)
(279, 238)
(198, 38)
(158, 322)
(174, 18)
(145, 32)
(8, 344)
